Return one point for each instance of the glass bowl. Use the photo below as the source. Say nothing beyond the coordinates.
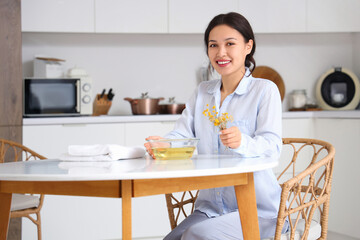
(171, 149)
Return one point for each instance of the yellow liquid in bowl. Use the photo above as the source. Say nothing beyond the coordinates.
(173, 153)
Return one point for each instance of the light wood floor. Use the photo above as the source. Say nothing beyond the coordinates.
(337, 236)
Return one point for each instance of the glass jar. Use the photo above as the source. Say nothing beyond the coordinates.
(298, 99)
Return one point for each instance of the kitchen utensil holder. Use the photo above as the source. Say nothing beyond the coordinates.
(101, 105)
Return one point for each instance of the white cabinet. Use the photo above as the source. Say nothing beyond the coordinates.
(344, 135)
(131, 16)
(298, 128)
(137, 132)
(81, 217)
(333, 16)
(57, 16)
(277, 16)
(88, 217)
(53, 140)
(188, 16)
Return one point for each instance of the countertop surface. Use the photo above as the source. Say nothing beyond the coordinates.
(140, 168)
(172, 118)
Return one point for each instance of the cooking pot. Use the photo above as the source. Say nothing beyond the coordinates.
(171, 107)
(144, 105)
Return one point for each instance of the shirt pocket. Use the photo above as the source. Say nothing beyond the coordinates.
(243, 125)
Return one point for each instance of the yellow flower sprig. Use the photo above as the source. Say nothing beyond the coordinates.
(218, 120)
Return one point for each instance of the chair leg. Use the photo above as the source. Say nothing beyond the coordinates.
(324, 219)
(37, 222)
(38, 225)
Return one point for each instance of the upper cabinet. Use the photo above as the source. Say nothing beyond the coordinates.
(189, 16)
(131, 16)
(57, 16)
(333, 15)
(277, 16)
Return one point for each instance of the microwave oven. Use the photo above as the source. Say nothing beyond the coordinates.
(57, 97)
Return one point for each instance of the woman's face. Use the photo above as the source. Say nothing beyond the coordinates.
(227, 50)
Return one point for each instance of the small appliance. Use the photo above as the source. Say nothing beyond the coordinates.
(338, 89)
(55, 97)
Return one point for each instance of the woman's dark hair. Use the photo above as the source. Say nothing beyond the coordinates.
(239, 23)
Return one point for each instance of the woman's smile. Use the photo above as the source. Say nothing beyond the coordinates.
(223, 63)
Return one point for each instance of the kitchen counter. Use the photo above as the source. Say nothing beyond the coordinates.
(322, 114)
(171, 118)
(100, 119)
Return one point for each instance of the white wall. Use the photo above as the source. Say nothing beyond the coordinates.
(302, 58)
(356, 54)
(168, 65)
(356, 57)
(163, 65)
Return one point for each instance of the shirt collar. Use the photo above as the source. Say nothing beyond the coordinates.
(240, 89)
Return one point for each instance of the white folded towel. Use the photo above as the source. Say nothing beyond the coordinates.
(101, 152)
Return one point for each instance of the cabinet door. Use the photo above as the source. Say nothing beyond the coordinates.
(297, 128)
(131, 16)
(277, 16)
(57, 16)
(137, 132)
(344, 135)
(53, 140)
(333, 15)
(82, 217)
(188, 16)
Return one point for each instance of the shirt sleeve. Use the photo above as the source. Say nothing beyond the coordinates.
(184, 127)
(267, 140)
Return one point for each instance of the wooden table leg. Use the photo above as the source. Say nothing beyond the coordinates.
(126, 194)
(5, 205)
(246, 199)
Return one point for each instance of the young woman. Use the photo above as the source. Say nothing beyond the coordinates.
(255, 105)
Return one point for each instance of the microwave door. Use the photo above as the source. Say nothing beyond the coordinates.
(51, 97)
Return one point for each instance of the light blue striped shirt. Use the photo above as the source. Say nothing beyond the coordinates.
(256, 108)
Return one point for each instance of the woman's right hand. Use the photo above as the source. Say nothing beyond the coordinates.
(148, 146)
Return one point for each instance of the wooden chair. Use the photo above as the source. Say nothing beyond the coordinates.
(22, 205)
(306, 185)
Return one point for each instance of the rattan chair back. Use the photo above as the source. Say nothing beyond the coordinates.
(13, 152)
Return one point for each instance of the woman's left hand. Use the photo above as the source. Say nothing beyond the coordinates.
(231, 137)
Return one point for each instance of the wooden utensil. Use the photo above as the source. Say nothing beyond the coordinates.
(272, 75)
